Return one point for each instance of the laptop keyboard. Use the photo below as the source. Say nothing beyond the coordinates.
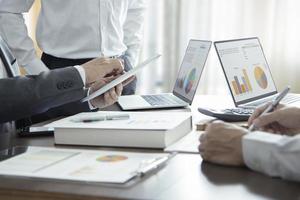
(161, 100)
(290, 98)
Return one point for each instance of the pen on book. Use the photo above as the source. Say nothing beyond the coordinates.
(89, 119)
(273, 105)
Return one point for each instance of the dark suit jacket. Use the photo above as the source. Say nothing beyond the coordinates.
(22, 97)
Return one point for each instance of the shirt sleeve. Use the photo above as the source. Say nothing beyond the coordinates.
(14, 32)
(274, 155)
(83, 77)
(133, 29)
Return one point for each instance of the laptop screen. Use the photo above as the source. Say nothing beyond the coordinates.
(246, 69)
(191, 69)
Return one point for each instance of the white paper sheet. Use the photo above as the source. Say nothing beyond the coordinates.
(187, 144)
(76, 165)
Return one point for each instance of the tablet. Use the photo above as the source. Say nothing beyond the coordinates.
(120, 79)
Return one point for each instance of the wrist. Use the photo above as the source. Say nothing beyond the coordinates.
(243, 163)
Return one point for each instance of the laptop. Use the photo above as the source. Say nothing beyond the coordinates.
(185, 86)
(248, 74)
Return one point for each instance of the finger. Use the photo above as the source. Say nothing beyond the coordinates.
(119, 63)
(122, 63)
(129, 80)
(214, 126)
(107, 98)
(257, 113)
(113, 94)
(119, 89)
(114, 67)
(97, 85)
(202, 137)
(266, 119)
(201, 148)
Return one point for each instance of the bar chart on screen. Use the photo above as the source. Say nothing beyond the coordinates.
(241, 84)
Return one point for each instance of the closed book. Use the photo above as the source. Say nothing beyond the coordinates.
(140, 129)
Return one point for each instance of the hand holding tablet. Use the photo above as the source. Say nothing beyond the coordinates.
(125, 78)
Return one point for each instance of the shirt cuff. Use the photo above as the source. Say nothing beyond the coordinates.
(258, 151)
(82, 73)
(83, 77)
(35, 67)
(90, 104)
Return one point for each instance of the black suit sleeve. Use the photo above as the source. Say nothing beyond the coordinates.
(22, 97)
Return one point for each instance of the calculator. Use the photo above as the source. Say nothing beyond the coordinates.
(228, 115)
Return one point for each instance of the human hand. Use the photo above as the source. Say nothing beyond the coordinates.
(221, 143)
(99, 68)
(283, 120)
(111, 96)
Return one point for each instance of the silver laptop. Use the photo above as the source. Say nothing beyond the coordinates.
(247, 73)
(185, 87)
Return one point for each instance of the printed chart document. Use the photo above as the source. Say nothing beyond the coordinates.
(78, 165)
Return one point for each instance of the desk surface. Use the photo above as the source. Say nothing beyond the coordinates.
(185, 177)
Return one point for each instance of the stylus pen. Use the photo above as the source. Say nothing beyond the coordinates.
(273, 105)
(89, 119)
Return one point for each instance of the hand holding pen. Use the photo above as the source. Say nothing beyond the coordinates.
(264, 116)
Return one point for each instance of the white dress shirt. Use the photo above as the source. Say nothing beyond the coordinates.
(74, 29)
(3, 73)
(274, 155)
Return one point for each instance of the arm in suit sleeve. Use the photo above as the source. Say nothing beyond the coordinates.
(274, 155)
(22, 97)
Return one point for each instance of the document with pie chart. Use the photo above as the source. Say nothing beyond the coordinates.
(246, 69)
(77, 164)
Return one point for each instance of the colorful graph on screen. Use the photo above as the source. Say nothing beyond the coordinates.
(179, 82)
(189, 81)
(241, 85)
(261, 77)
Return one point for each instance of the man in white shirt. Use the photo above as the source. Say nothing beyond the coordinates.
(273, 150)
(71, 32)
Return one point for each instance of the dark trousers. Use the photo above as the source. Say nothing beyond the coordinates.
(53, 63)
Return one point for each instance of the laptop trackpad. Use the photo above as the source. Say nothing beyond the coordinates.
(133, 102)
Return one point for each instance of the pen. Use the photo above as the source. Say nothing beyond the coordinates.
(157, 163)
(89, 119)
(273, 105)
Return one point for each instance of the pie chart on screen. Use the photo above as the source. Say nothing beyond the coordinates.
(189, 81)
(261, 77)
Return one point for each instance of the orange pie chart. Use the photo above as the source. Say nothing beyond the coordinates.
(261, 77)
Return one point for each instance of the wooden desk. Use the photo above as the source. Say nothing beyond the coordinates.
(185, 177)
